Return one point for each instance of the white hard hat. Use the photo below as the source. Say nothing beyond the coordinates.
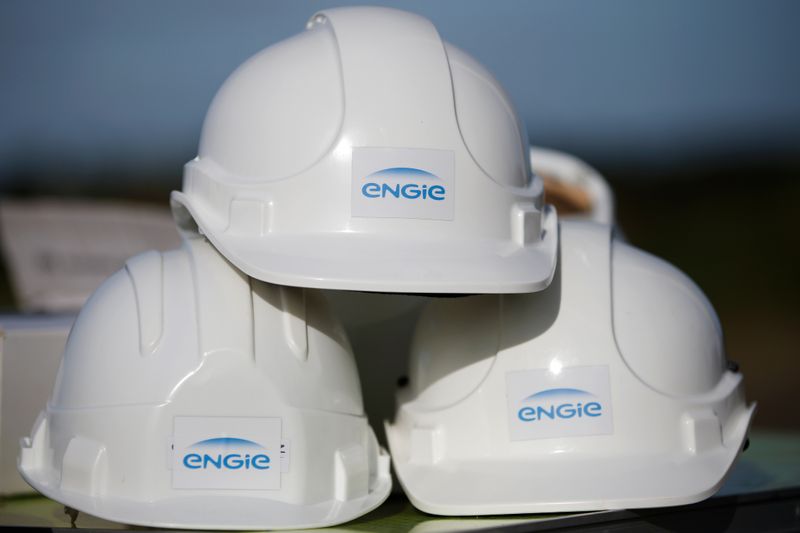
(192, 396)
(366, 153)
(607, 390)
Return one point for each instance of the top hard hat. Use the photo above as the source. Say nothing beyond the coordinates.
(367, 154)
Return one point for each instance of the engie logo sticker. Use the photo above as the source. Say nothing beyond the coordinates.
(402, 183)
(226, 453)
(559, 402)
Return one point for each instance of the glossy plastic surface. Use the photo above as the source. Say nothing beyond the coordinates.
(184, 334)
(675, 417)
(273, 184)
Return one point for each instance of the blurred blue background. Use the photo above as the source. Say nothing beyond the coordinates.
(90, 85)
(691, 109)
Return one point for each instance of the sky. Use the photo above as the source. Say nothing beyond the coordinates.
(88, 84)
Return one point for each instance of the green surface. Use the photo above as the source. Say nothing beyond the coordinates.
(771, 463)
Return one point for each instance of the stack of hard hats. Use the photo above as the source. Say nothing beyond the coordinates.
(214, 387)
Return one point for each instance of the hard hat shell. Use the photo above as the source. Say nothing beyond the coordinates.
(192, 396)
(367, 154)
(607, 390)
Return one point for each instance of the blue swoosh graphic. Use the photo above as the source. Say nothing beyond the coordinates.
(403, 172)
(550, 393)
(228, 441)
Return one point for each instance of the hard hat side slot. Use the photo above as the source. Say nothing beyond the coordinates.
(147, 275)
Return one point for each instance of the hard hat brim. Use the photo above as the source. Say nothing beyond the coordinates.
(364, 262)
(216, 512)
(557, 483)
